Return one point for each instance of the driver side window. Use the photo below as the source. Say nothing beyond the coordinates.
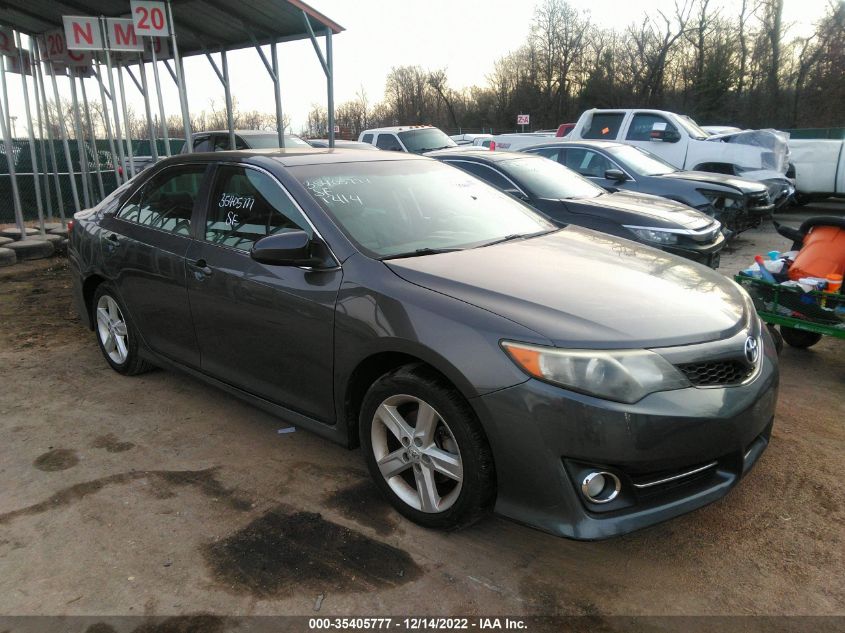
(247, 205)
(166, 202)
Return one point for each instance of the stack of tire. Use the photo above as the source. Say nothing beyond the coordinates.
(13, 249)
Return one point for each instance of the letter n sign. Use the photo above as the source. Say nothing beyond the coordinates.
(82, 33)
(122, 36)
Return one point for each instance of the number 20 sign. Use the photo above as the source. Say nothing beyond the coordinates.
(149, 18)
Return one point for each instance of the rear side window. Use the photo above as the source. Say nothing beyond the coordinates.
(643, 123)
(604, 125)
(587, 163)
(487, 174)
(367, 138)
(203, 144)
(247, 205)
(548, 152)
(388, 142)
(166, 202)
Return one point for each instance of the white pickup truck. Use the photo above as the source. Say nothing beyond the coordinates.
(756, 154)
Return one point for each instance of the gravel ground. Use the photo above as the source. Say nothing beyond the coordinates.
(161, 495)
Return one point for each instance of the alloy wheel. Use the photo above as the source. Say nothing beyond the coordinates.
(417, 454)
(111, 328)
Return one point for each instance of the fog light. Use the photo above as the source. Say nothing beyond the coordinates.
(600, 487)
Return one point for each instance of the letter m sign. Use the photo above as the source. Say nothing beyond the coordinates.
(122, 35)
(82, 33)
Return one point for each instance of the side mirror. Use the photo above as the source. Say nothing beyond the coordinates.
(616, 175)
(666, 136)
(292, 248)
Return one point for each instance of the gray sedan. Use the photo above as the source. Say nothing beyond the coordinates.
(481, 357)
(738, 203)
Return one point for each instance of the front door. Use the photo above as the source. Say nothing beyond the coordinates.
(268, 330)
(673, 146)
(144, 247)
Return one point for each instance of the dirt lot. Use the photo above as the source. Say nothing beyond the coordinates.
(160, 495)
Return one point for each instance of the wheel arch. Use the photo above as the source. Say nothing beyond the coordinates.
(89, 287)
(375, 365)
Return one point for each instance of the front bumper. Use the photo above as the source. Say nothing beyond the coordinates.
(544, 437)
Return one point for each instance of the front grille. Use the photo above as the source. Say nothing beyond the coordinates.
(716, 373)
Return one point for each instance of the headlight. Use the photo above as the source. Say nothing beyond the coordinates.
(658, 236)
(619, 375)
(724, 201)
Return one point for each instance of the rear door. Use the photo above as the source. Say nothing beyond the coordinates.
(268, 330)
(144, 247)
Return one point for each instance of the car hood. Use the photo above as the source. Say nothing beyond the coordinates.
(742, 184)
(642, 209)
(584, 289)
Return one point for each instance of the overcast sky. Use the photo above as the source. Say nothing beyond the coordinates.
(463, 36)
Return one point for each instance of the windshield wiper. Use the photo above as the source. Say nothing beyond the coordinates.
(421, 252)
(516, 236)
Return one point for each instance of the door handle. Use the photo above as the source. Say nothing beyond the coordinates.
(113, 239)
(202, 266)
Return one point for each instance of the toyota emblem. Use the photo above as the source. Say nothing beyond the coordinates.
(752, 350)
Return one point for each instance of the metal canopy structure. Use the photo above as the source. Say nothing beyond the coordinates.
(202, 25)
(196, 27)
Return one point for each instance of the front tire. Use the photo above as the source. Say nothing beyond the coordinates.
(799, 338)
(426, 450)
(116, 336)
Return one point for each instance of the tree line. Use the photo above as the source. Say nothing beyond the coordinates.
(732, 69)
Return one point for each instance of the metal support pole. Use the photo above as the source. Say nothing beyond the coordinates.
(163, 120)
(32, 152)
(223, 76)
(145, 90)
(227, 91)
(80, 140)
(277, 93)
(93, 136)
(36, 81)
(129, 151)
(59, 196)
(118, 134)
(107, 121)
(63, 134)
(180, 75)
(10, 159)
(6, 109)
(330, 85)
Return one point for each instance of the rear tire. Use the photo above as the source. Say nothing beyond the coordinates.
(116, 336)
(426, 450)
(799, 338)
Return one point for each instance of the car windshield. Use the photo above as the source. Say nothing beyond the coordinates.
(269, 141)
(415, 207)
(548, 179)
(640, 161)
(692, 128)
(425, 140)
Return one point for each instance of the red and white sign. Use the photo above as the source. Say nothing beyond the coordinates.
(82, 33)
(150, 18)
(7, 42)
(53, 49)
(522, 119)
(121, 34)
(13, 64)
(161, 46)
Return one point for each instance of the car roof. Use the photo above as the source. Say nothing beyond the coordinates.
(398, 128)
(295, 156)
(243, 132)
(480, 154)
(584, 143)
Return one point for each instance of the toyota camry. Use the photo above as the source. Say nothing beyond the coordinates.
(481, 357)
